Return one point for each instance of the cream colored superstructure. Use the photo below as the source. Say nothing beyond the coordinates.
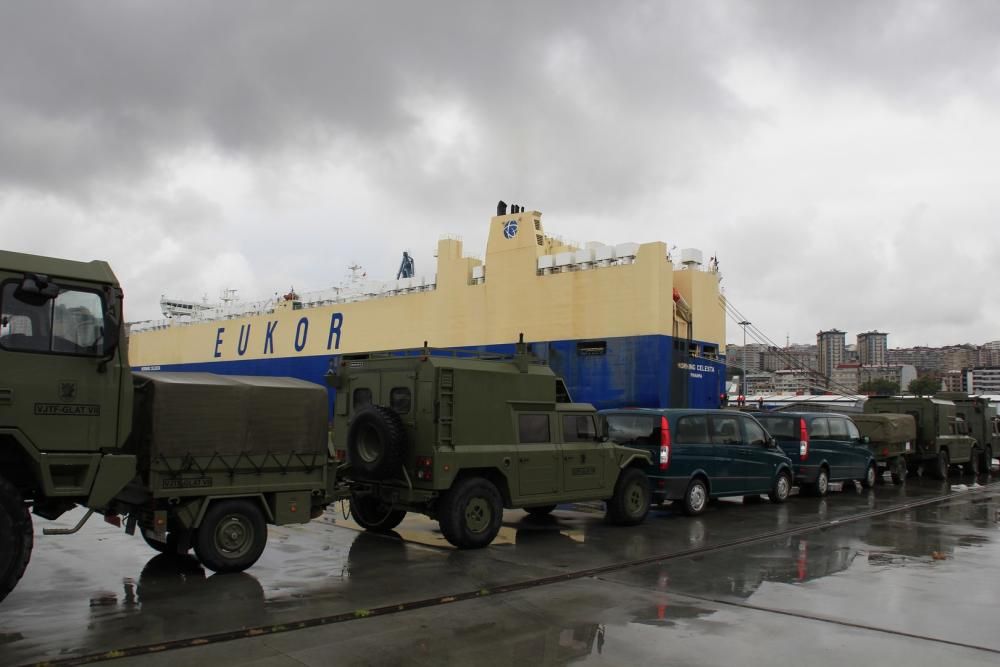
(629, 296)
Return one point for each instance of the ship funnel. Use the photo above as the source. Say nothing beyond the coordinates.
(501, 207)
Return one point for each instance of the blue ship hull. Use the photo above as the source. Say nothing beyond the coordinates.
(631, 371)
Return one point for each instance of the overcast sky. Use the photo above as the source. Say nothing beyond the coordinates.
(840, 158)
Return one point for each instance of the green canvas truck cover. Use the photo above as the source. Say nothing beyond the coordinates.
(887, 428)
(201, 414)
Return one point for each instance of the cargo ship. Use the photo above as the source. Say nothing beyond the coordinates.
(624, 325)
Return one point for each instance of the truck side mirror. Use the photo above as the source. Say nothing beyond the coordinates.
(605, 433)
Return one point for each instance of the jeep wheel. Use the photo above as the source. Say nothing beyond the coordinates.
(898, 470)
(171, 547)
(16, 537)
(941, 465)
(695, 498)
(630, 502)
(871, 475)
(471, 513)
(782, 487)
(974, 467)
(541, 510)
(372, 514)
(232, 536)
(376, 442)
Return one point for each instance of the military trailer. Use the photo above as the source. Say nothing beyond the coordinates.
(460, 437)
(942, 440)
(187, 460)
(984, 425)
(891, 438)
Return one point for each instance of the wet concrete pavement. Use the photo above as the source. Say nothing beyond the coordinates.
(918, 584)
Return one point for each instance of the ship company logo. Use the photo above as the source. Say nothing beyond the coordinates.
(510, 229)
(264, 336)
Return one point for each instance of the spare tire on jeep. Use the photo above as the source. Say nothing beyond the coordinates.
(376, 442)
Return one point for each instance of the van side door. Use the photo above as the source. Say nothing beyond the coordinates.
(727, 467)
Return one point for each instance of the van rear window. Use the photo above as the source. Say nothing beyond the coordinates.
(632, 428)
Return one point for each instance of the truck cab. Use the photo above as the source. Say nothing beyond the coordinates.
(65, 391)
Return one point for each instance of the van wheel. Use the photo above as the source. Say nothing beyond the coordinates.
(898, 470)
(630, 502)
(821, 486)
(471, 513)
(871, 476)
(17, 537)
(941, 465)
(541, 510)
(376, 442)
(372, 514)
(781, 489)
(695, 498)
(232, 536)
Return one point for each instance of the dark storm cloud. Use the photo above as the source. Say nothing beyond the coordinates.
(93, 91)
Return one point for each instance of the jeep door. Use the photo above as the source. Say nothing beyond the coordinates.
(539, 464)
(584, 457)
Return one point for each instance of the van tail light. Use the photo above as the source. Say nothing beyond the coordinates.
(664, 443)
(803, 440)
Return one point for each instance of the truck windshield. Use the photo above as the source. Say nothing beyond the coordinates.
(71, 323)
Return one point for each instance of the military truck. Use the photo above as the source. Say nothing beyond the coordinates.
(189, 460)
(984, 425)
(891, 439)
(459, 437)
(942, 440)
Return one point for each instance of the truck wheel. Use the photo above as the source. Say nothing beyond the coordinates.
(940, 468)
(898, 470)
(782, 488)
(541, 510)
(232, 536)
(630, 502)
(372, 514)
(16, 537)
(470, 513)
(376, 441)
(695, 497)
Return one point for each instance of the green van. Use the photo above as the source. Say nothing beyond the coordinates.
(824, 447)
(703, 454)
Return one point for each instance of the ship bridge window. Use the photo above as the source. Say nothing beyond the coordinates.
(592, 348)
(710, 351)
(362, 397)
(400, 399)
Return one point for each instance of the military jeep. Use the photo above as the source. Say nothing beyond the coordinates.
(460, 436)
